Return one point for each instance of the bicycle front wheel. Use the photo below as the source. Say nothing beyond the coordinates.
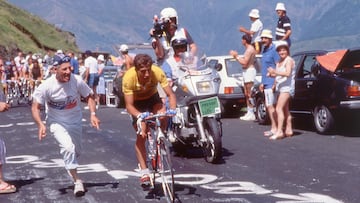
(166, 170)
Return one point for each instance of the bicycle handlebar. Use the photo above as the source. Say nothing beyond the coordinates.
(158, 115)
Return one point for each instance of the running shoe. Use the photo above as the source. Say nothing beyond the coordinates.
(79, 188)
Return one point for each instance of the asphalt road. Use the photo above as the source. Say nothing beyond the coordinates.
(305, 168)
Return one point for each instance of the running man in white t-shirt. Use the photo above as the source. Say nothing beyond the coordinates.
(61, 95)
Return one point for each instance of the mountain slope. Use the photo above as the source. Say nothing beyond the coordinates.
(213, 24)
(20, 30)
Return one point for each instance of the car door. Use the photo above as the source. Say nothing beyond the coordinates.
(305, 84)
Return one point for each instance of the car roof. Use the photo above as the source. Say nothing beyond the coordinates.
(351, 58)
(310, 52)
(227, 57)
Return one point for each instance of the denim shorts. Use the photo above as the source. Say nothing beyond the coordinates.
(93, 80)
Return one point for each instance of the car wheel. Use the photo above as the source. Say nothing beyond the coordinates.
(261, 112)
(323, 119)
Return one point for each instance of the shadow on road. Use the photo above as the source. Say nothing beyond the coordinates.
(346, 128)
(87, 185)
(21, 183)
(197, 153)
(157, 192)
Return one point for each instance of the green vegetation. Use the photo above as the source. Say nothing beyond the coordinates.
(20, 30)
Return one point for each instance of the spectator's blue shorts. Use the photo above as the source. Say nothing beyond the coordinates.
(93, 80)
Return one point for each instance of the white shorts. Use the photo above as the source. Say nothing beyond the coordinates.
(270, 98)
(69, 141)
(249, 74)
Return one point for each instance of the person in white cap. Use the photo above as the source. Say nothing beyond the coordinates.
(268, 60)
(284, 74)
(91, 74)
(61, 95)
(100, 89)
(283, 28)
(255, 29)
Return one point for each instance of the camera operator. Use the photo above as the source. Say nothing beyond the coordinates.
(164, 30)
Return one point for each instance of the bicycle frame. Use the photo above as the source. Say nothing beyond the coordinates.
(160, 156)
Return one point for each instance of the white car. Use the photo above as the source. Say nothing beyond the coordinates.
(231, 92)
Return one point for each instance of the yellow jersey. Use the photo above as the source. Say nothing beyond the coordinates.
(131, 85)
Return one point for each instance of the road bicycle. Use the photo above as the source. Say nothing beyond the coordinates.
(13, 92)
(159, 155)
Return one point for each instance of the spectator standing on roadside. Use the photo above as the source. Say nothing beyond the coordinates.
(5, 187)
(91, 74)
(82, 69)
(48, 58)
(268, 60)
(283, 28)
(255, 29)
(100, 90)
(74, 63)
(128, 61)
(249, 73)
(61, 95)
(285, 84)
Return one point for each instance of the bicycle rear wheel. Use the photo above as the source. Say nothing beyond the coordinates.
(166, 170)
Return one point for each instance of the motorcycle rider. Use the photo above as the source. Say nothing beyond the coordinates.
(170, 66)
(162, 44)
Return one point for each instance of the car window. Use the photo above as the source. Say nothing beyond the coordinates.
(233, 67)
(305, 66)
(309, 62)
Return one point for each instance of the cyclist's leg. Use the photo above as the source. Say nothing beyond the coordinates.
(141, 151)
(150, 104)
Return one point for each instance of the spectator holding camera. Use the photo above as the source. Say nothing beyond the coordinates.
(164, 30)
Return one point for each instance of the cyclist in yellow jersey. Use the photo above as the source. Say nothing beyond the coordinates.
(142, 98)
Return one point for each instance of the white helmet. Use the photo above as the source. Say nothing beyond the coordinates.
(168, 13)
(124, 48)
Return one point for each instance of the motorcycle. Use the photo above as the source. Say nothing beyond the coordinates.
(197, 121)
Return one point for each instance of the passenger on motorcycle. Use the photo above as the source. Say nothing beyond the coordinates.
(162, 43)
(141, 98)
(170, 66)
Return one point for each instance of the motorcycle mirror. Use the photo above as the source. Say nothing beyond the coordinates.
(218, 67)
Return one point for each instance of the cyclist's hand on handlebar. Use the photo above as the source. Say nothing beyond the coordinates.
(143, 115)
(171, 112)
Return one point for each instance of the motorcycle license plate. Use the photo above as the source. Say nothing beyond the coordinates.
(209, 106)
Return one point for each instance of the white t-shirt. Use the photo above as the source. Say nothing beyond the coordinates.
(256, 27)
(91, 63)
(62, 100)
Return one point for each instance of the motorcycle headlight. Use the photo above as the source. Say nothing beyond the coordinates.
(203, 86)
